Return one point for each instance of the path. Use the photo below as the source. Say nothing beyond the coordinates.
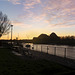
(36, 55)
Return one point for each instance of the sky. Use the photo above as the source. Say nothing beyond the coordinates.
(30, 18)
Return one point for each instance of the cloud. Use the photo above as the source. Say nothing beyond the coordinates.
(15, 1)
(64, 24)
(54, 12)
(60, 11)
(32, 17)
(38, 18)
(17, 23)
(28, 4)
(3, 0)
(26, 15)
(21, 24)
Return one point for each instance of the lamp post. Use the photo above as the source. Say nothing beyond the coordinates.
(11, 33)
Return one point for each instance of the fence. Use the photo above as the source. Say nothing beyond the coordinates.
(58, 51)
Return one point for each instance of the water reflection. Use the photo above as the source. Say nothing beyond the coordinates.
(58, 50)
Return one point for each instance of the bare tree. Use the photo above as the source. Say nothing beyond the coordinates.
(4, 24)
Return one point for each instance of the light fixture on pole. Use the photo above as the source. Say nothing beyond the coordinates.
(11, 33)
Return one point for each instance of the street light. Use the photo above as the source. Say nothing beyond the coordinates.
(11, 33)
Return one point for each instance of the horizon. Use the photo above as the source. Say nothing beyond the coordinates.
(37, 37)
(34, 17)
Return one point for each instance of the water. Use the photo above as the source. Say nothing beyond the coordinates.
(58, 50)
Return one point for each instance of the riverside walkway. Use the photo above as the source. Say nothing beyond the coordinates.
(36, 55)
(64, 61)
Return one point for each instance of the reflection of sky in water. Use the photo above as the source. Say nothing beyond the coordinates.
(60, 49)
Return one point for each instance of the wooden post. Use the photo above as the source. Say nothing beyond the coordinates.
(54, 50)
(36, 47)
(41, 48)
(65, 53)
(33, 47)
(47, 49)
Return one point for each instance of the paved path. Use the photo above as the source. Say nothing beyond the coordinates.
(40, 55)
(64, 61)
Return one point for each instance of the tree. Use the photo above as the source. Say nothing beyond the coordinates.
(4, 24)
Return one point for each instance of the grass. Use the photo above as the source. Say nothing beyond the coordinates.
(11, 64)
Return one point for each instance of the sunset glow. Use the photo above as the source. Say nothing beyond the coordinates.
(33, 17)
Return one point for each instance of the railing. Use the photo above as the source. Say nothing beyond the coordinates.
(58, 51)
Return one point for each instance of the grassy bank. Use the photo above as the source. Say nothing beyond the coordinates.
(11, 64)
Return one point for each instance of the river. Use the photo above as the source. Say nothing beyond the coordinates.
(58, 50)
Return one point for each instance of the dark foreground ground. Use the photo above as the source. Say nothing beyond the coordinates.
(11, 64)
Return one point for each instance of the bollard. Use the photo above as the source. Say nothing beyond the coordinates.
(32, 47)
(41, 48)
(47, 49)
(65, 53)
(36, 47)
(54, 50)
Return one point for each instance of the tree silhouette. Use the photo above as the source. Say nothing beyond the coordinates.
(4, 24)
(53, 39)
